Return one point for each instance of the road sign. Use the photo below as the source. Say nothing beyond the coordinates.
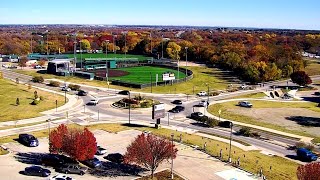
(219, 111)
(158, 111)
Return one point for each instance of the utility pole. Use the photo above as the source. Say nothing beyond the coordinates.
(125, 44)
(47, 43)
(162, 46)
(80, 43)
(74, 52)
(151, 42)
(129, 107)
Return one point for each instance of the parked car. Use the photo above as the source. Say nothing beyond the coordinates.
(36, 171)
(52, 160)
(196, 115)
(65, 88)
(124, 92)
(202, 93)
(93, 102)
(72, 169)
(317, 93)
(92, 163)
(245, 104)
(82, 93)
(306, 155)
(28, 140)
(203, 103)
(179, 102)
(114, 157)
(101, 150)
(61, 177)
(177, 109)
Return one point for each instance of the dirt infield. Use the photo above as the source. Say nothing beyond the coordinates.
(112, 73)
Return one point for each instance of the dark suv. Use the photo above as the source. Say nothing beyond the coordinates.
(82, 93)
(28, 140)
(72, 169)
(37, 171)
(177, 102)
(196, 115)
(124, 92)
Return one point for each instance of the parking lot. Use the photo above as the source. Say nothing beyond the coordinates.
(190, 163)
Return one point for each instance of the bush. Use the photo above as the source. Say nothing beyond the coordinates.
(41, 98)
(245, 131)
(74, 87)
(38, 79)
(35, 102)
(54, 83)
(214, 93)
(212, 122)
(304, 145)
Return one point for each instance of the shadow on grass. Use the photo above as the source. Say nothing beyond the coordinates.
(110, 169)
(294, 157)
(311, 99)
(199, 124)
(305, 121)
(42, 71)
(134, 125)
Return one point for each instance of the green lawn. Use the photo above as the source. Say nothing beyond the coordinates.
(10, 91)
(214, 109)
(313, 68)
(142, 74)
(110, 55)
(249, 160)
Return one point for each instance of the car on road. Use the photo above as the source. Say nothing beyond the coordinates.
(61, 177)
(196, 115)
(36, 171)
(225, 124)
(101, 150)
(28, 140)
(306, 155)
(114, 157)
(177, 109)
(245, 104)
(93, 102)
(178, 102)
(202, 103)
(65, 88)
(202, 93)
(124, 92)
(82, 93)
(72, 169)
(92, 163)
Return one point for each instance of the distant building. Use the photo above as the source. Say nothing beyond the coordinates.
(37, 56)
(10, 58)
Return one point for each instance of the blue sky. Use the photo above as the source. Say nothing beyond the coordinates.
(296, 14)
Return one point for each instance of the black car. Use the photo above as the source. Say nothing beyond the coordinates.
(28, 140)
(177, 109)
(196, 115)
(52, 160)
(177, 102)
(72, 169)
(114, 157)
(92, 163)
(124, 92)
(37, 171)
(82, 93)
(225, 124)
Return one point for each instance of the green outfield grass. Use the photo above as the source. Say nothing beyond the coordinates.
(142, 74)
(110, 55)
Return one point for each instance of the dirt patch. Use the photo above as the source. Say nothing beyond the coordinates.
(112, 73)
(291, 118)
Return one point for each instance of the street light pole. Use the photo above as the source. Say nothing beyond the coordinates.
(125, 44)
(172, 155)
(107, 70)
(231, 124)
(80, 54)
(65, 96)
(49, 128)
(47, 44)
(150, 42)
(150, 82)
(178, 64)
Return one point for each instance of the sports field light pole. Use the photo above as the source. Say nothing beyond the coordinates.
(107, 70)
(162, 46)
(186, 61)
(125, 44)
(231, 124)
(129, 106)
(47, 43)
(151, 42)
(80, 54)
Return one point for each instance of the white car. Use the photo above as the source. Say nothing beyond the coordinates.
(245, 104)
(61, 177)
(65, 88)
(202, 93)
(93, 102)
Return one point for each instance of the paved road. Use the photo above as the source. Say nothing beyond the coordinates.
(192, 100)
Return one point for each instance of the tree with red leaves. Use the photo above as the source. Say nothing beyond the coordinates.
(149, 151)
(300, 78)
(309, 171)
(78, 144)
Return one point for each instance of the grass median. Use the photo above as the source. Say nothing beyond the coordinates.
(10, 91)
(274, 167)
